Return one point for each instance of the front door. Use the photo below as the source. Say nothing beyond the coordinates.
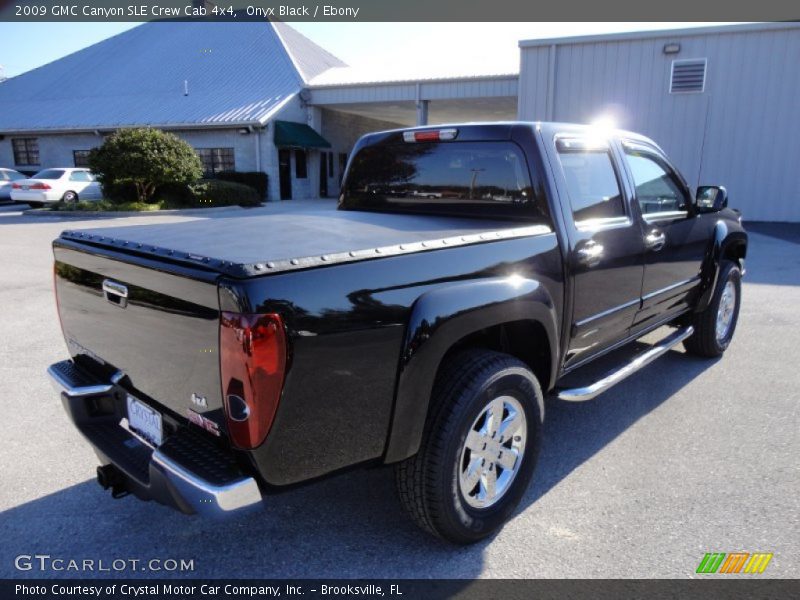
(606, 249)
(285, 173)
(676, 238)
(323, 175)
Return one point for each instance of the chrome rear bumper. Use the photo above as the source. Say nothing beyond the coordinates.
(151, 473)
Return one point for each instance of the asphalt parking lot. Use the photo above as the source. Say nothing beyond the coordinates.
(687, 457)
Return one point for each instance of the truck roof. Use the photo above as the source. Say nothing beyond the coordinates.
(503, 128)
(245, 243)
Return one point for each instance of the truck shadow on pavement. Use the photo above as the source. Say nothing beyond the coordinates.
(347, 526)
(574, 432)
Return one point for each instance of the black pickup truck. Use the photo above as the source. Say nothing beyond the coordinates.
(465, 272)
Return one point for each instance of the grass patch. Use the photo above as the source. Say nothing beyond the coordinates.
(204, 193)
(105, 206)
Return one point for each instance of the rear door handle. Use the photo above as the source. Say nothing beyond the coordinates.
(655, 240)
(590, 253)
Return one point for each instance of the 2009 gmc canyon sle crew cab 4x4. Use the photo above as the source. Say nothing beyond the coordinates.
(467, 270)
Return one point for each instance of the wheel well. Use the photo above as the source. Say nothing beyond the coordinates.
(525, 340)
(735, 252)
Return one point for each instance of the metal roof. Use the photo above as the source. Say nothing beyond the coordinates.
(658, 33)
(309, 59)
(166, 74)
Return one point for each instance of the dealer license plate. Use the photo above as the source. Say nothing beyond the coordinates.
(145, 421)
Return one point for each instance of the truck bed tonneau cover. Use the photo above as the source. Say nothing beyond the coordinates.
(259, 241)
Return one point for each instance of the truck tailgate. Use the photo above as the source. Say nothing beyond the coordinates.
(163, 335)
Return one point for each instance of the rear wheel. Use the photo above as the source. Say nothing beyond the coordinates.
(715, 326)
(479, 448)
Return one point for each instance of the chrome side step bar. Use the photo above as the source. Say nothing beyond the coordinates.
(582, 394)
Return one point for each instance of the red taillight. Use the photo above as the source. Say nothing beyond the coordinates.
(426, 136)
(39, 186)
(16, 186)
(252, 366)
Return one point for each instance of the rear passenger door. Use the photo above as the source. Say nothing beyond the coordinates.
(79, 182)
(606, 246)
(676, 238)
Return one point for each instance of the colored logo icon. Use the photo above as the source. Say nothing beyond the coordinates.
(734, 562)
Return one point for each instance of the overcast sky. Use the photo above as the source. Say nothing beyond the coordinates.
(416, 49)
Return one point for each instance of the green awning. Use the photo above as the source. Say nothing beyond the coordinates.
(298, 135)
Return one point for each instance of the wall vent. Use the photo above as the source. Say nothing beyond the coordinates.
(688, 76)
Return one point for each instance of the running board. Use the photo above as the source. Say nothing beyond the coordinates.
(582, 394)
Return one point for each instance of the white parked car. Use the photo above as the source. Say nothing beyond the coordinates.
(7, 177)
(53, 185)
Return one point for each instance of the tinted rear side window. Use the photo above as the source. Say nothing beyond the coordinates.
(592, 184)
(49, 174)
(486, 179)
(80, 176)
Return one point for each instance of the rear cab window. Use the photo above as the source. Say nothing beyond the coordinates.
(488, 179)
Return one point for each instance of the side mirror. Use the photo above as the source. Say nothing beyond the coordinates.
(711, 198)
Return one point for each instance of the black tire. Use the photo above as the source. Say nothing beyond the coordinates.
(428, 482)
(705, 340)
(70, 197)
(35, 204)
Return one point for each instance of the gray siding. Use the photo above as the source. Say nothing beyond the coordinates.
(244, 150)
(54, 150)
(743, 131)
(474, 87)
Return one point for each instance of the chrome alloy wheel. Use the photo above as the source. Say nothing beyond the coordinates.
(727, 306)
(492, 452)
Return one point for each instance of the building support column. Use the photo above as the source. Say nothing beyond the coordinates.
(313, 157)
(422, 112)
(422, 108)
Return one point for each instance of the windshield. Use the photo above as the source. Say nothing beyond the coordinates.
(49, 174)
(487, 179)
(15, 175)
